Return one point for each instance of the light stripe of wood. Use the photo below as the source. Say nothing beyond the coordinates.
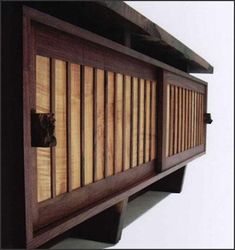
(180, 120)
(201, 119)
(99, 130)
(88, 125)
(197, 118)
(127, 123)
(141, 122)
(153, 119)
(203, 125)
(75, 126)
(172, 102)
(186, 118)
(183, 120)
(43, 106)
(118, 122)
(189, 118)
(176, 121)
(109, 126)
(60, 127)
(134, 143)
(167, 119)
(192, 125)
(147, 122)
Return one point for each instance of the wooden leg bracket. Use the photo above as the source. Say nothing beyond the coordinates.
(105, 227)
(172, 183)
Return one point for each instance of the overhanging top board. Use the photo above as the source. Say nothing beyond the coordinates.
(117, 21)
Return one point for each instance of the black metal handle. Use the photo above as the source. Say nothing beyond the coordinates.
(42, 130)
(207, 118)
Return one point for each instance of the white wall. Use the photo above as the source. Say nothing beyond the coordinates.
(202, 215)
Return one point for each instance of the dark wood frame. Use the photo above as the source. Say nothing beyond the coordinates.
(141, 176)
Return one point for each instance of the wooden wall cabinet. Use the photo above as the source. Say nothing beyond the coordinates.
(89, 121)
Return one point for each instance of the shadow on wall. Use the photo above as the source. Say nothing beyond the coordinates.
(135, 209)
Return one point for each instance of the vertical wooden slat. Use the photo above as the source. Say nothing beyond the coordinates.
(186, 118)
(134, 122)
(167, 120)
(75, 140)
(60, 128)
(43, 106)
(126, 122)
(87, 130)
(189, 118)
(192, 124)
(176, 121)
(147, 122)
(118, 122)
(172, 102)
(153, 119)
(141, 122)
(180, 119)
(109, 124)
(99, 125)
(200, 133)
(196, 119)
(183, 121)
(203, 125)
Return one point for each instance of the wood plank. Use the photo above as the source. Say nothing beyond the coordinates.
(87, 142)
(118, 108)
(109, 124)
(134, 123)
(200, 135)
(203, 124)
(176, 121)
(186, 118)
(60, 127)
(99, 125)
(153, 119)
(192, 120)
(180, 120)
(147, 122)
(43, 106)
(183, 121)
(168, 120)
(172, 101)
(141, 122)
(127, 123)
(189, 118)
(75, 126)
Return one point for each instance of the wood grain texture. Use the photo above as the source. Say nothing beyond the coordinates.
(127, 123)
(109, 124)
(180, 120)
(189, 118)
(134, 122)
(118, 142)
(141, 122)
(75, 126)
(172, 107)
(60, 127)
(168, 120)
(147, 122)
(99, 128)
(176, 121)
(43, 106)
(186, 118)
(87, 153)
(153, 119)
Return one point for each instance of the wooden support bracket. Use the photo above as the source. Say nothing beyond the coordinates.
(172, 183)
(105, 226)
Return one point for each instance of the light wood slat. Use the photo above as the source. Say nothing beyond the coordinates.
(127, 123)
(172, 101)
(141, 122)
(190, 119)
(192, 124)
(183, 121)
(118, 122)
(75, 139)
(186, 118)
(134, 122)
(180, 119)
(87, 146)
(43, 106)
(109, 124)
(153, 119)
(99, 125)
(147, 122)
(200, 136)
(176, 121)
(60, 127)
(197, 117)
(167, 119)
(203, 125)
